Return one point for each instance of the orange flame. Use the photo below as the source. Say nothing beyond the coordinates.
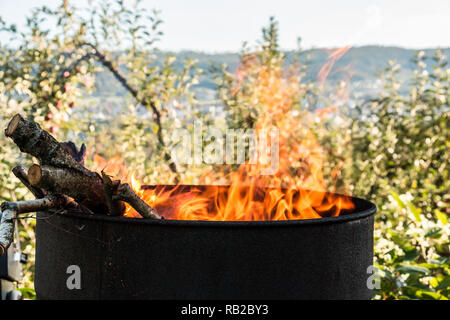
(246, 199)
(333, 57)
(297, 191)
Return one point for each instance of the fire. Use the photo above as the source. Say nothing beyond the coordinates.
(333, 57)
(296, 191)
(246, 199)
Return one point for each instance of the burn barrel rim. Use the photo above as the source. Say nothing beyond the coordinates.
(364, 208)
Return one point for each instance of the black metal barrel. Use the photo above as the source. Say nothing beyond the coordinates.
(124, 258)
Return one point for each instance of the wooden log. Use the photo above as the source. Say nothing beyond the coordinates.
(87, 190)
(125, 193)
(22, 175)
(116, 207)
(10, 210)
(61, 171)
(89, 194)
(69, 203)
(6, 230)
(31, 139)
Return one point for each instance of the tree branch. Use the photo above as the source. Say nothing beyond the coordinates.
(125, 193)
(145, 102)
(116, 208)
(12, 209)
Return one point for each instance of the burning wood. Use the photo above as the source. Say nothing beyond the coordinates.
(31, 139)
(59, 177)
(61, 173)
(87, 189)
(116, 208)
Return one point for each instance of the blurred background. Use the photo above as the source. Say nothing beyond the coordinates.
(368, 82)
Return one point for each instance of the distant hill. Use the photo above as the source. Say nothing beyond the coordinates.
(365, 62)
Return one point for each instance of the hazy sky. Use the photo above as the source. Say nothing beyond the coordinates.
(213, 25)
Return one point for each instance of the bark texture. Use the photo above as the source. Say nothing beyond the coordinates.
(116, 207)
(22, 175)
(61, 172)
(31, 139)
(85, 189)
(6, 230)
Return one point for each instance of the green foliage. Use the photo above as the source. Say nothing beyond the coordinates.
(400, 160)
(392, 149)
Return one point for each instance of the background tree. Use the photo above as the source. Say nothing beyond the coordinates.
(49, 68)
(392, 149)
